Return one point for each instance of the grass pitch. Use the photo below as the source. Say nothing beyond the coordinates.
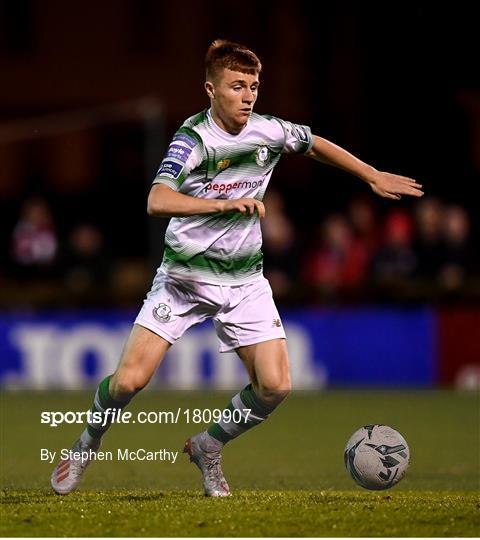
(287, 476)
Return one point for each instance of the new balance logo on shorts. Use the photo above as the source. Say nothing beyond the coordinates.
(276, 323)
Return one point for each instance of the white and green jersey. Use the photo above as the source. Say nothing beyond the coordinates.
(205, 161)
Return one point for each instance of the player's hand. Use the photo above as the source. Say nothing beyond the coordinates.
(246, 206)
(393, 186)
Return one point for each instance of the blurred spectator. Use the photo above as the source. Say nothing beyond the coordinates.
(458, 257)
(395, 261)
(340, 261)
(279, 246)
(34, 243)
(424, 255)
(86, 264)
(362, 215)
(428, 239)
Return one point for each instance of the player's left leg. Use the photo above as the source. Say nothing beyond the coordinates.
(248, 323)
(268, 369)
(269, 373)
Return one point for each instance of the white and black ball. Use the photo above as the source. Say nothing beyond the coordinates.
(377, 457)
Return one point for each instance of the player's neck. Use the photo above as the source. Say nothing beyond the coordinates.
(225, 125)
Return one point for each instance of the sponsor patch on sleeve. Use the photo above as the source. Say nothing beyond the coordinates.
(170, 168)
(300, 133)
(186, 139)
(178, 152)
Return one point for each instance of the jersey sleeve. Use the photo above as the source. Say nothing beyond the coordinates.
(298, 139)
(184, 154)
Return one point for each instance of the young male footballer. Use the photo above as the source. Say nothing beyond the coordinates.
(211, 182)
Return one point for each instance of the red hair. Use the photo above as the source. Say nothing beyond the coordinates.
(224, 54)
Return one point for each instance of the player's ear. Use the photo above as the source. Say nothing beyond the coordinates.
(210, 90)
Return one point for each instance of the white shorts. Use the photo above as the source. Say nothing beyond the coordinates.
(242, 314)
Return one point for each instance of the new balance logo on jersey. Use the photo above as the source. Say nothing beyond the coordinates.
(223, 164)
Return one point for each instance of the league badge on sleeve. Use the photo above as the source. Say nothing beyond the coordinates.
(170, 168)
(300, 133)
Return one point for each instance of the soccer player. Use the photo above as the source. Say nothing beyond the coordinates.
(211, 183)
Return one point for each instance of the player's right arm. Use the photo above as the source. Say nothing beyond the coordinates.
(184, 154)
(164, 201)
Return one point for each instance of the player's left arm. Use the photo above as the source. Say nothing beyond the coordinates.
(388, 185)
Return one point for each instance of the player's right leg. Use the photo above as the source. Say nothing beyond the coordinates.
(140, 358)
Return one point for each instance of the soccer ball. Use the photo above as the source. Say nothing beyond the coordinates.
(377, 457)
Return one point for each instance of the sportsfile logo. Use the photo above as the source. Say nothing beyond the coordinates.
(113, 415)
(225, 188)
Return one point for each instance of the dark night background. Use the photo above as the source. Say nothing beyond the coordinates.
(395, 84)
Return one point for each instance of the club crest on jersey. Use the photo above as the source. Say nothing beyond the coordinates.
(223, 164)
(162, 312)
(262, 156)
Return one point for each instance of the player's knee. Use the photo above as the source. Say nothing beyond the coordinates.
(125, 385)
(275, 391)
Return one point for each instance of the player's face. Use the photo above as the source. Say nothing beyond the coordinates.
(232, 96)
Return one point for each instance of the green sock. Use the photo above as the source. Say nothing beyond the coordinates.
(246, 411)
(102, 401)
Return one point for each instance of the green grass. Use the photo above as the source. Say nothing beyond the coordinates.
(287, 476)
(136, 512)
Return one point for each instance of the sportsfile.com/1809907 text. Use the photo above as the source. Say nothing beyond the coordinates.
(118, 416)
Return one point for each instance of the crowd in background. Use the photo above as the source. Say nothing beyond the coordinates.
(89, 150)
(421, 251)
